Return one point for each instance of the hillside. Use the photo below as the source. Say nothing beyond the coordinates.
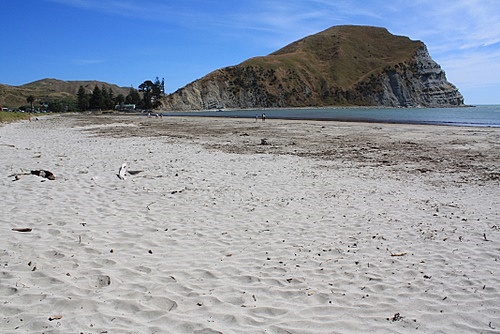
(343, 65)
(47, 89)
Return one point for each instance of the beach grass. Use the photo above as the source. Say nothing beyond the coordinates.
(7, 117)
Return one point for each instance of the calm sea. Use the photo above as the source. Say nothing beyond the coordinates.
(482, 116)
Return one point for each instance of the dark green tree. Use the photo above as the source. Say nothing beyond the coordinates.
(152, 92)
(110, 102)
(83, 99)
(133, 97)
(97, 99)
(159, 87)
(108, 98)
(119, 99)
(147, 88)
(30, 99)
(63, 105)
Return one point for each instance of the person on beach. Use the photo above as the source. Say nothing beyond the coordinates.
(263, 117)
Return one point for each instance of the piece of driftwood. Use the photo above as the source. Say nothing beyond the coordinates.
(398, 254)
(44, 173)
(22, 229)
(122, 171)
(134, 172)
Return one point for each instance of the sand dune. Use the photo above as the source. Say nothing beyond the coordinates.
(331, 228)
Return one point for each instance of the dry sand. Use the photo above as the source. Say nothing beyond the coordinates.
(329, 228)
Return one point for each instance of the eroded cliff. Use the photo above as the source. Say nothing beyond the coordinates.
(344, 65)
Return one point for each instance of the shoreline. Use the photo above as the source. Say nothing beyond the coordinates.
(481, 117)
(323, 227)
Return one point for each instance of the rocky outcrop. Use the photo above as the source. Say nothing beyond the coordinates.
(346, 65)
(420, 82)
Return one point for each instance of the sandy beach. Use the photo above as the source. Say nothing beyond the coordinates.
(244, 226)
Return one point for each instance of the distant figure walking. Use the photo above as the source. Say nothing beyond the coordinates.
(263, 117)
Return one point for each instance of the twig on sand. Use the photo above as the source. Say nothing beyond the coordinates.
(398, 254)
(55, 317)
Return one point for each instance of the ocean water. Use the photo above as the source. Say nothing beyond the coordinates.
(478, 116)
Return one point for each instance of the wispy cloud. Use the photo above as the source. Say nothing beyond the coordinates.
(473, 69)
(469, 23)
(150, 10)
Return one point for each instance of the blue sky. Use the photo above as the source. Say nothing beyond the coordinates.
(129, 41)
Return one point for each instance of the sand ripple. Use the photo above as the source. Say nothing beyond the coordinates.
(207, 241)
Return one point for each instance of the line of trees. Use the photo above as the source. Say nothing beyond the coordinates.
(64, 104)
(104, 99)
(99, 98)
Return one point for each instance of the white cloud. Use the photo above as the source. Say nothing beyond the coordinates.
(473, 69)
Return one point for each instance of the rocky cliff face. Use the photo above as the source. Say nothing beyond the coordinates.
(346, 65)
(419, 82)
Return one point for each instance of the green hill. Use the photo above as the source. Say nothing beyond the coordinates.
(49, 89)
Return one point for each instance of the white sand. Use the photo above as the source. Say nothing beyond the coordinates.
(208, 241)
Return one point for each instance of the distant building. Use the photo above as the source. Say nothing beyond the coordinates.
(125, 107)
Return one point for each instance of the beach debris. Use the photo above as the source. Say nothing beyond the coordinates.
(396, 317)
(122, 171)
(264, 141)
(44, 173)
(32, 265)
(103, 280)
(398, 254)
(55, 317)
(22, 229)
(134, 172)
